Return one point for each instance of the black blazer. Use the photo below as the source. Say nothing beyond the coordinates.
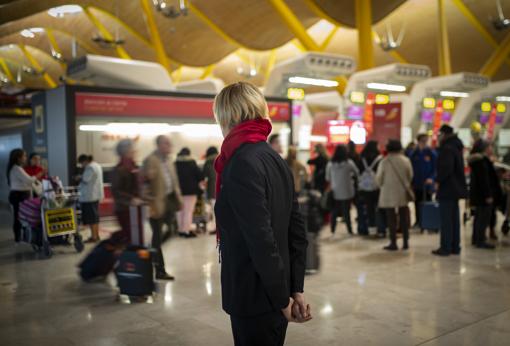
(262, 233)
(484, 181)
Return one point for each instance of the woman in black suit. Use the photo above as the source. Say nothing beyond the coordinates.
(261, 233)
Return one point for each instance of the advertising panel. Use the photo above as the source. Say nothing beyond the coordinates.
(387, 121)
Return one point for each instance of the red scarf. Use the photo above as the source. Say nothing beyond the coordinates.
(252, 131)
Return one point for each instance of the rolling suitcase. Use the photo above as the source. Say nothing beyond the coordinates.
(134, 272)
(430, 218)
(99, 262)
(312, 253)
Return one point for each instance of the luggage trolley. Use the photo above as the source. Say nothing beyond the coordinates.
(59, 214)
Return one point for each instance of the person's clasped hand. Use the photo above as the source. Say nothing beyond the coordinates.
(298, 310)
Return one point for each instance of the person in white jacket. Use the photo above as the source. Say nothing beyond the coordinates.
(91, 193)
(20, 184)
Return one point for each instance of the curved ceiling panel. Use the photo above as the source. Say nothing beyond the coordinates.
(261, 28)
(343, 10)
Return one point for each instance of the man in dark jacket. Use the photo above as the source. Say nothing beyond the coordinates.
(485, 191)
(263, 243)
(451, 187)
(423, 159)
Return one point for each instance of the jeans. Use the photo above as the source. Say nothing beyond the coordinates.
(450, 225)
(361, 215)
(481, 222)
(403, 223)
(15, 198)
(185, 216)
(341, 207)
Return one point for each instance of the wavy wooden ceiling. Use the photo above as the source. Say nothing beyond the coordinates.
(251, 31)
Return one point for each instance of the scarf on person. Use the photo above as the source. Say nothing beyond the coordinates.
(252, 131)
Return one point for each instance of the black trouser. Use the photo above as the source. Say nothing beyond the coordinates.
(15, 198)
(403, 223)
(420, 196)
(264, 330)
(481, 222)
(450, 226)
(341, 207)
(167, 218)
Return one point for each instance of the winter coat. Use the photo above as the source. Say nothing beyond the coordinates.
(394, 176)
(450, 170)
(189, 174)
(484, 181)
(210, 174)
(424, 167)
(319, 173)
(342, 176)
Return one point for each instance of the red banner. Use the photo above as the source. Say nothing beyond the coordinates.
(492, 123)
(387, 121)
(112, 105)
(436, 124)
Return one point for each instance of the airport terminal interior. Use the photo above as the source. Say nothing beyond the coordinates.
(390, 120)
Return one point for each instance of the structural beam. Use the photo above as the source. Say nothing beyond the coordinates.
(342, 84)
(497, 58)
(6, 70)
(327, 40)
(443, 43)
(51, 83)
(477, 25)
(155, 37)
(54, 45)
(293, 23)
(121, 52)
(270, 64)
(364, 25)
(177, 75)
(207, 71)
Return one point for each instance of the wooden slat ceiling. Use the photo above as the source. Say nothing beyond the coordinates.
(253, 29)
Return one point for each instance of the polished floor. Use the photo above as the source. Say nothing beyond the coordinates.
(361, 296)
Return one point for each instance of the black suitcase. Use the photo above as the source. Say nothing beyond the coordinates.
(99, 262)
(312, 253)
(134, 272)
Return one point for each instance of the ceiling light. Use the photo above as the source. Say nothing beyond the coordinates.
(27, 33)
(503, 98)
(36, 30)
(388, 87)
(61, 11)
(453, 94)
(313, 81)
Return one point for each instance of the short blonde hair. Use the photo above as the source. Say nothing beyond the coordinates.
(239, 102)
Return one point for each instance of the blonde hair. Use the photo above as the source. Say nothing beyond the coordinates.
(239, 102)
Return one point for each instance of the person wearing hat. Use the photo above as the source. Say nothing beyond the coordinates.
(485, 191)
(451, 187)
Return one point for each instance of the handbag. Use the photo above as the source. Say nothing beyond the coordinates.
(327, 200)
(37, 188)
(409, 192)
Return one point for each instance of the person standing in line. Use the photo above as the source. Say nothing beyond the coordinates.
(341, 173)
(423, 159)
(125, 187)
(394, 176)
(484, 192)
(261, 232)
(163, 193)
(451, 187)
(275, 143)
(210, 177)
(91, 193)
(190, 177)
(320, 161)
(298, 170)
(20, 184)
(369, 189)
(34, 167)
(361, 217)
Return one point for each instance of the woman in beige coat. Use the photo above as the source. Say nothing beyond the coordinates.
(394, 176)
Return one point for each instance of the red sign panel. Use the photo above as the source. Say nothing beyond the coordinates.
(111, 105)
(387, 121)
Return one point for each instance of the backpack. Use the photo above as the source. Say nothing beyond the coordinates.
(366, 181)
